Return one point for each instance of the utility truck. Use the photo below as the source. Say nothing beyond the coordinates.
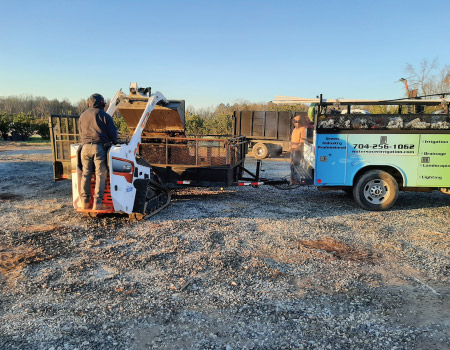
(374, 156)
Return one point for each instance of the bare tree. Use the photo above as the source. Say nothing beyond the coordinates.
(444, 80)
(428, 78)
(82, 106)
(42, 107)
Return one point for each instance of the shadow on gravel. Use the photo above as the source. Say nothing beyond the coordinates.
(418, 200)
(210, 193)
(340, 203)
(10, 197)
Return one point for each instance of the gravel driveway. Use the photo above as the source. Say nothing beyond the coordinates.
(239, 268)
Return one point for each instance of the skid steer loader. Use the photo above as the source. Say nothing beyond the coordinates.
(131, 186)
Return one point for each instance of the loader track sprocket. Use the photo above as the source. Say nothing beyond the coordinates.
(151, 198)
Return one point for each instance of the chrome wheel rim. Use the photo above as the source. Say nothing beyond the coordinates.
(376, 191)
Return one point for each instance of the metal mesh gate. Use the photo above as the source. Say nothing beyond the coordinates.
(193, 152)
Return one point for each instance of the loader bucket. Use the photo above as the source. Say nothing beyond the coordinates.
(164, 121)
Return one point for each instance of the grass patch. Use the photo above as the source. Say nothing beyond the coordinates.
(36, 139)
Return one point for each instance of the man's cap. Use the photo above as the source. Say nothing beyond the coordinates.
(297, 118)
(96, 101)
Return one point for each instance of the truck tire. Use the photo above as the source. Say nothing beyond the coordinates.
(260, 150)
(375, 190)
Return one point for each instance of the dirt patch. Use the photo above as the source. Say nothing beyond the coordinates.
(41, 228)
(339, 250)
(14, 259)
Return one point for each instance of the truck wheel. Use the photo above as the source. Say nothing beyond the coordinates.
(260, 150)
(375, 190)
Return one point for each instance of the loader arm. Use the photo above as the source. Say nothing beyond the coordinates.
(132, 189)
(114, 104)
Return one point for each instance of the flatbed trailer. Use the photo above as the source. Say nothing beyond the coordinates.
(268, 132)
(374, 156)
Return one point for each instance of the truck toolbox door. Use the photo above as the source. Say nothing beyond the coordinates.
(331, 153)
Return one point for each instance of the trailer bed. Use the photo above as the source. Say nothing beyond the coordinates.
(207, 161)
(196, 161)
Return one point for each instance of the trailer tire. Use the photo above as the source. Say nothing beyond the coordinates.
(275, 150)
(260, 150)
(375, 190)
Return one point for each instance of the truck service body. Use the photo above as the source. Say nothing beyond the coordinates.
(420, 159)
(373, 156)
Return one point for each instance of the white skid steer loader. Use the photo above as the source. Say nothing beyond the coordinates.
(131, 187)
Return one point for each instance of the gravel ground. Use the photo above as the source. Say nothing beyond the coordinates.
(242, 268)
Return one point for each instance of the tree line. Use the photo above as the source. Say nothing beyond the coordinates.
(23, 116)
(219, 120)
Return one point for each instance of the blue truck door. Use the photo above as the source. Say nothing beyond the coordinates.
(331, 159)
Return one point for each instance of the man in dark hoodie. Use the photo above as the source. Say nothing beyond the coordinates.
(97, 129)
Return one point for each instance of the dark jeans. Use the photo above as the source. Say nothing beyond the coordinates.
(296, 157)
(93, 159)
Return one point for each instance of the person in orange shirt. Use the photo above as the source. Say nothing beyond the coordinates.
(297, 139)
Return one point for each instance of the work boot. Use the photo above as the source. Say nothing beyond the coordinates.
(99, 206)
(85, 204)
(293, 182)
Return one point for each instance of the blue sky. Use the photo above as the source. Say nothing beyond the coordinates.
(208, 52)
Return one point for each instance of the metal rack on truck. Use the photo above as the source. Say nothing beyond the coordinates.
(374, 156)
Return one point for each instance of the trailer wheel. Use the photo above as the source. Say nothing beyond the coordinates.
(275, 150)
(260, 150)
(375, 190)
